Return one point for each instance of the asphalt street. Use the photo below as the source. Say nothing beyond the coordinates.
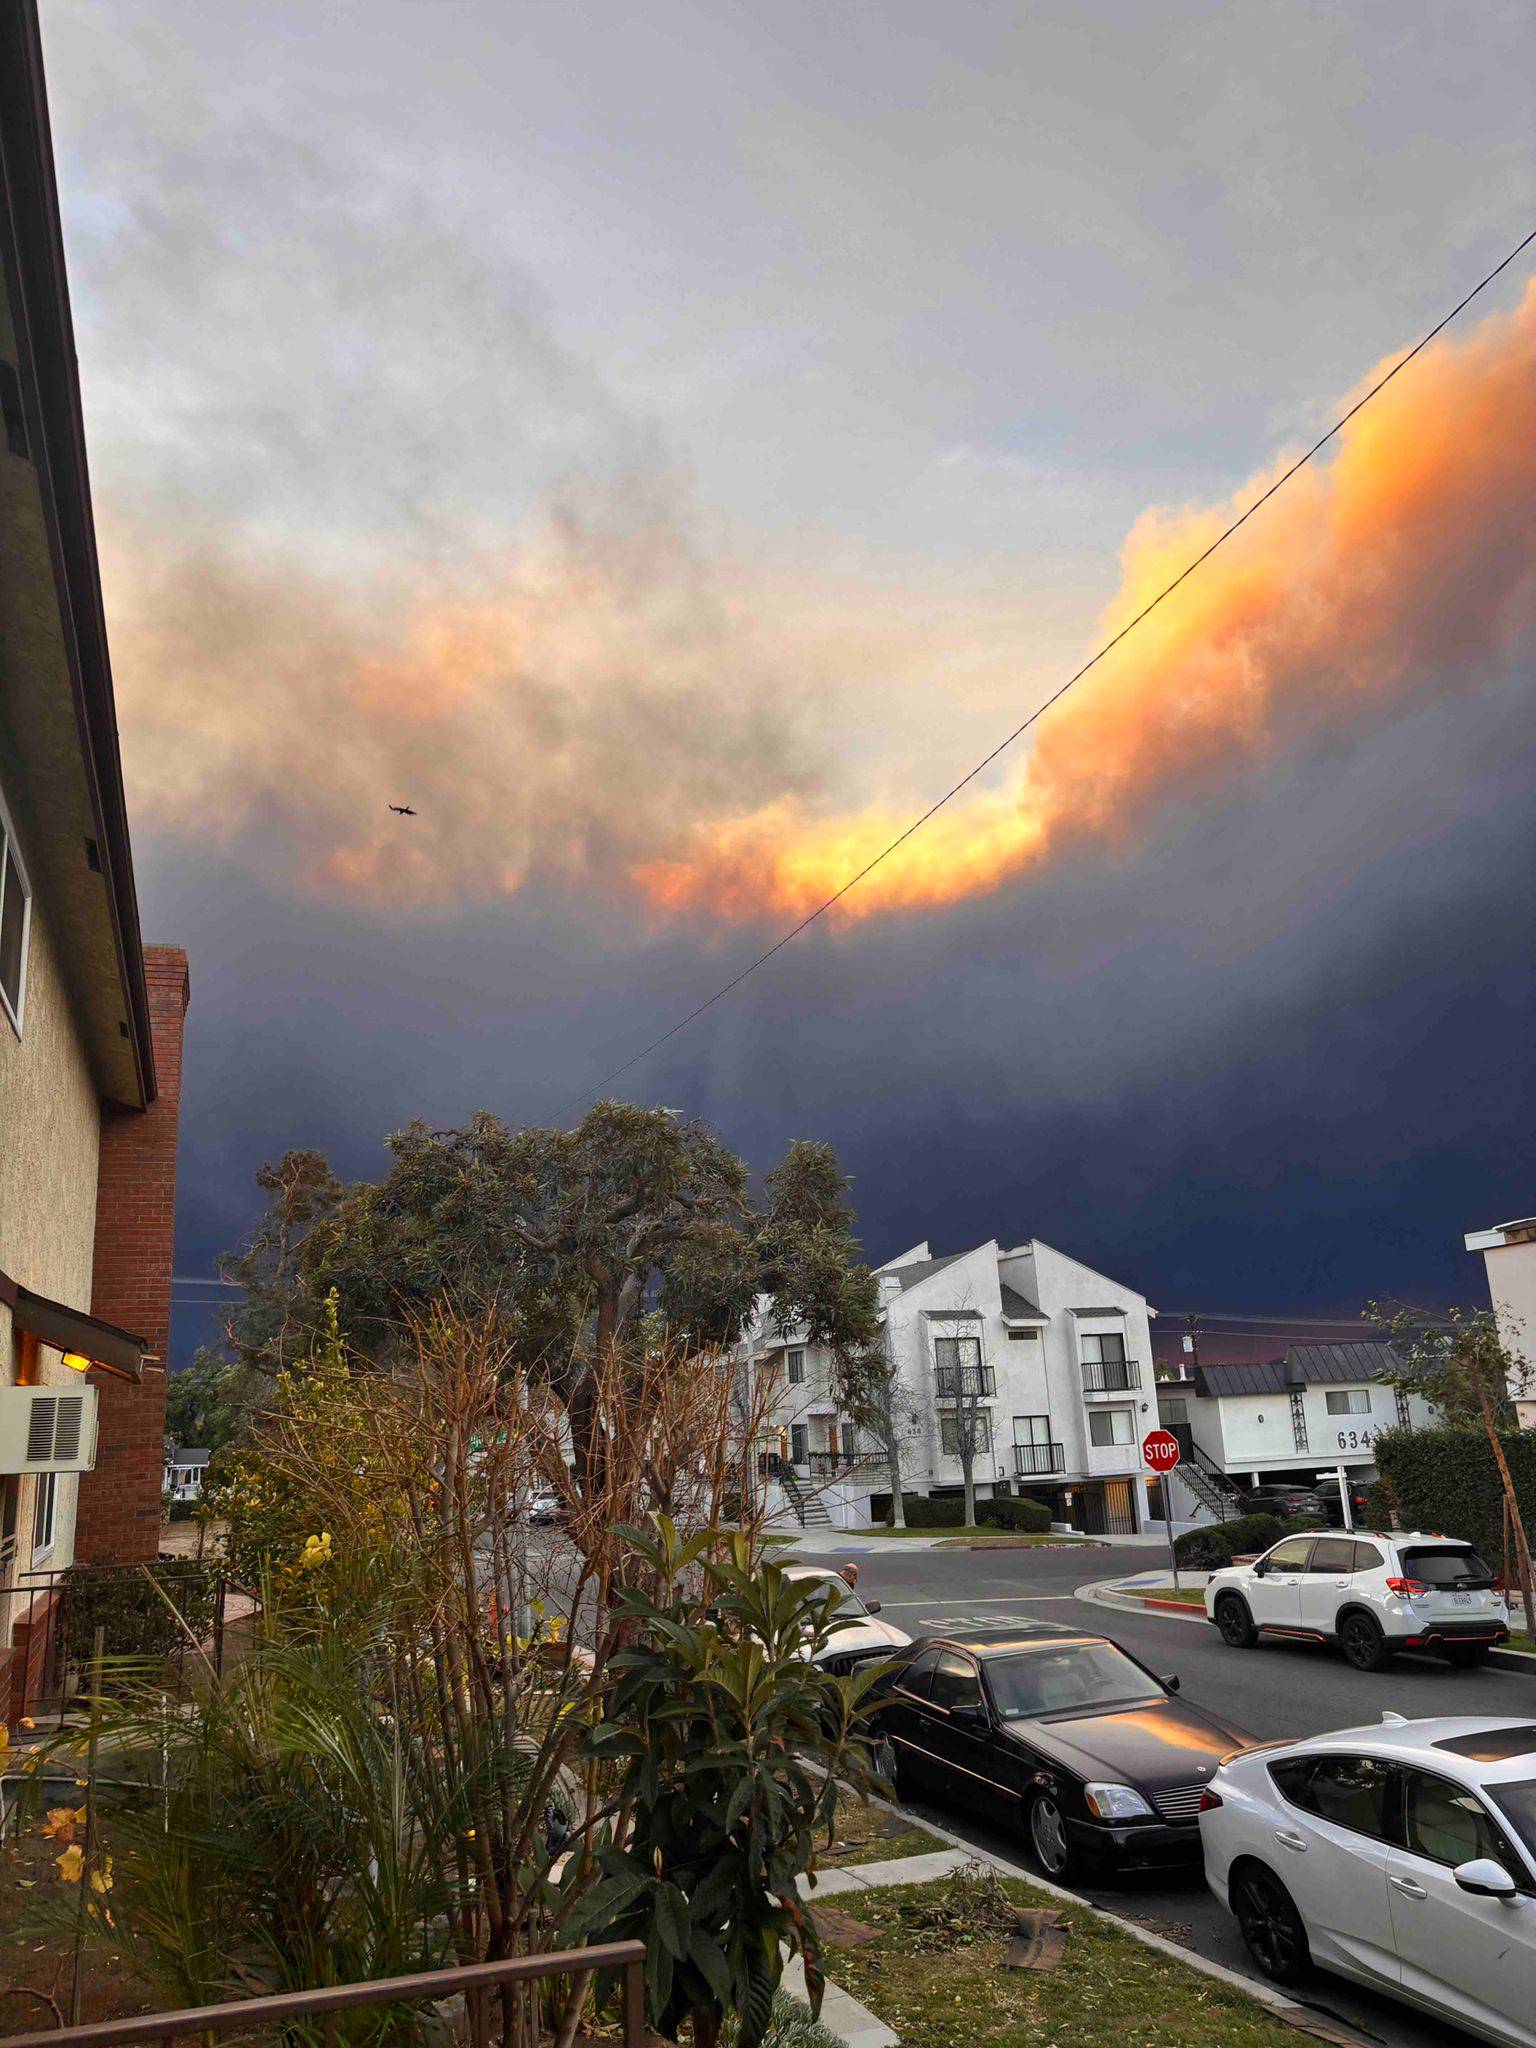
(1273, 1690)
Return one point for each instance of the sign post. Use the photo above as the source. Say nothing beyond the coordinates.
(1341, 1473)
(1160, 1450)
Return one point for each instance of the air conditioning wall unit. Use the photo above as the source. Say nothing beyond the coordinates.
(47, 1429)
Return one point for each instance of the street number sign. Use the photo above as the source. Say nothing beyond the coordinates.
(1160, 1449)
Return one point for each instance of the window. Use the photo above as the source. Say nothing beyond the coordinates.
(918, 1675)
(1455, 1565)
(1517, 1802)
(1045, 1681)
(44, 1512)
(1031, 1429)
(1110, 1426)
(958, 1368)
(1349, 1401)
(1367, 1558)
(1334, 1555)
(15, 911)
(1290, 1556)
(1349, 1791)
(1447, 1823)
(796, 1367)
(955, 1682)
(799, 1443)
(1023, 1336)
(1172, 1412)
(979, 1426)
(1108, 1350)
(11, 407)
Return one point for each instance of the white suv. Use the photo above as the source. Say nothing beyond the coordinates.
(1370, 1593)
(1403, 1856)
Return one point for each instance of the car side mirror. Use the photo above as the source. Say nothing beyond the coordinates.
(871, 1606)
(1485, 1879)
(1261, 1568)
(1171, 1682)
(973, 1714)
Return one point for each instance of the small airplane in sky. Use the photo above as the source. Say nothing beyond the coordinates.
(402, 810)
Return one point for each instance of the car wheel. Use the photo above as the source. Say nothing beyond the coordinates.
(1466, 1656)
(1048, 1838)
(1235, 1622)
(1363, 1643)
(882, 1757)
(1270, 1925)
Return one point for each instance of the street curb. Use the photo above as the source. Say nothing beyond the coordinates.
(1291, 2011)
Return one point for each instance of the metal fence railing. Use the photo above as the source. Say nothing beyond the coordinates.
(48, 1620)
(1038, 1458)
(1110, 1375)
(307, 2019)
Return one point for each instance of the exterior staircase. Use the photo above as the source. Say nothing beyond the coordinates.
(1203, 1479)
(809, 1509)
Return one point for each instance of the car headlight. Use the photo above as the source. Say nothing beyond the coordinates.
(1116, 1802)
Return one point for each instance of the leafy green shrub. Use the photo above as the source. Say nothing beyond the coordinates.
(125, 1601)
(1446, 1479)
(1029, 1516)
(1380, 1510)
(922, 1513)
(1210, 1548)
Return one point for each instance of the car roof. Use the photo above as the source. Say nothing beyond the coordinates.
(1425, 1742)
(985, 1643)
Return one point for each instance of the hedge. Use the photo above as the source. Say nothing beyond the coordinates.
(922, 1513)
(1215, 1545)
(1031, 1517)
(1446, 1479)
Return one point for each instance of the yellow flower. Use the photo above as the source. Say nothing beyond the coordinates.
(69, 1865)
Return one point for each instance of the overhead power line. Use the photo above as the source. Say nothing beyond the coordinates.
(1056, 696)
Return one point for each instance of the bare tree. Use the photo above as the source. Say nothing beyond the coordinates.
(876, 1399)
(962, 1380)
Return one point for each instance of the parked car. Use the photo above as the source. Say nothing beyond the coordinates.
(858, 1636)
(544, 1508)
(1333, 1508)
(1288, 1501)
(1370, 1593)
(1072, 1737)
(1401, 1855)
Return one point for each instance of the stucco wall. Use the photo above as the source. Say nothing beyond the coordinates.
(50, 1131)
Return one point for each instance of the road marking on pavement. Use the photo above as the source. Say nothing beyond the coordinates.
(986, 1600)
(951, 1621)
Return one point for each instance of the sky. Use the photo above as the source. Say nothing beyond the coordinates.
(669, 446)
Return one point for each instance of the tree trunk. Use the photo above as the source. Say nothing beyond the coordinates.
(893, 1466)
(1522, 1546)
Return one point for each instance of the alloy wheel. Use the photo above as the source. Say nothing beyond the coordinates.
(1048, 1836)
(1270, 1925)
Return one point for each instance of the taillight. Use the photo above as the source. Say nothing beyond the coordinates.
(1208, 1799)
(1406, 1589)
(1497, 1583)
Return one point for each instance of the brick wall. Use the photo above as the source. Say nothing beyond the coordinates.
(118, 1519)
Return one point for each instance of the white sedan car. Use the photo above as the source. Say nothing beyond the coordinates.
(1402, 1855)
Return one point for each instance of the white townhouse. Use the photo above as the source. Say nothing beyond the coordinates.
(1509, 1255)
(1063, 1359)
(1318, 1407)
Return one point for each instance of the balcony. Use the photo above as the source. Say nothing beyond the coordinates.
(1110, 1375)
(953, 1381)
(1033, 1461)
(830, 1464)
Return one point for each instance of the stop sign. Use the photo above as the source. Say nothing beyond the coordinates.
(1160, 1449)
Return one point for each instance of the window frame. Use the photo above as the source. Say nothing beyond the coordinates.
(11, 856)
(1112, 1442)
(969, 1667)
(1033, 1440)
(1508, 1855)
(45, 1515)
(794, 1365)
(1357, 1400)
(1101, 1338)
(981, 1446)
(1391, 1835)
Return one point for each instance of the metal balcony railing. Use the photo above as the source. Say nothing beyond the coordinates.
(1036, 1459)
(954, 1381)
(1110, 1375)
(827, 1464)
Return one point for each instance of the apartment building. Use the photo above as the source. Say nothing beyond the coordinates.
(90, 1018)
(1041, 1362)
(1509, 1259)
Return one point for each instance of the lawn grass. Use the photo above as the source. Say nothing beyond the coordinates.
(1110, 1991)
(1186, 1595)
(872, 1834)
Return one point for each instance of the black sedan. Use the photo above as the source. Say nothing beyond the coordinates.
(1102, 1767)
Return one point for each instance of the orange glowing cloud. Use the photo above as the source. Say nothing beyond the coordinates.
(1404, 562)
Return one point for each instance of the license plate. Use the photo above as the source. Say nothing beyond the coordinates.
(1462, 1599)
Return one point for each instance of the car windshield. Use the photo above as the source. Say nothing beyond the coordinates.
(849, 1605)
(1517, 1803)
(1448, 1564)
(1072, 1677)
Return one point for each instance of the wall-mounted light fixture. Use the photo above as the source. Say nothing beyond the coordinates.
(77, 1361)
